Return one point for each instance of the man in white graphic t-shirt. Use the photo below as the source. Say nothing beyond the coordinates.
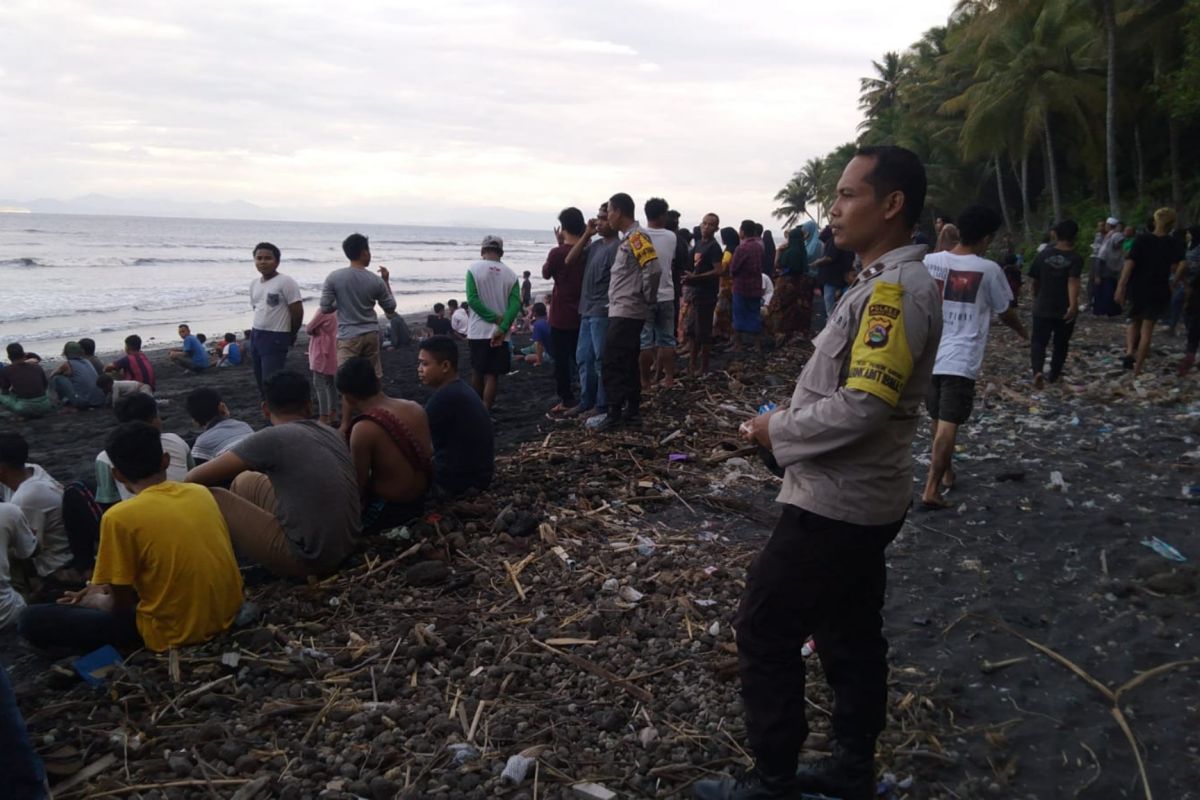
(972, 288)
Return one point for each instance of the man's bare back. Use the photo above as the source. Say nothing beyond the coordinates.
(385, 468)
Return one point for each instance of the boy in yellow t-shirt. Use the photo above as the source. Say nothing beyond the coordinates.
(165, 572)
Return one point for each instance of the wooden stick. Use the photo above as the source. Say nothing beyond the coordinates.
(168, 785)
(599, 671)
(512, 576)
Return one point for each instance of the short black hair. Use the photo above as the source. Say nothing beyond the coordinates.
(672, 223)
(231, 337)
(1067, 231)
(977, 223)
(266, 246)
(623, 203)
(104, 381)
(135, 448)
(746, 228)
(354, 246)
(898, 169)
(203, 404)
(438, 308)
(357, 378)
(89, 346)
(14, 450)
(202, 338)
(15, 351)
(133, 341)
(442, 348)
(136, 407)
(539, 309)
(452, 303)
(758, 229)
(656, 208)
(526, 274)
(571, 220)
(287, 392)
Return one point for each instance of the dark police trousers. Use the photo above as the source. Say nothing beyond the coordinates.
(822, 578)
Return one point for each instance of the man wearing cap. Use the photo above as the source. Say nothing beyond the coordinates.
(1111, 261)
(494, 297)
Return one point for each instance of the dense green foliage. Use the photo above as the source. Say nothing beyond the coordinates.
(1046, 108)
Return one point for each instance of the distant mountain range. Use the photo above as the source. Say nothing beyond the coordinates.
(105, 205)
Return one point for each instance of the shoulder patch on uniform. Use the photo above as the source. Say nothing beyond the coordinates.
(642, 248)
(880, 359)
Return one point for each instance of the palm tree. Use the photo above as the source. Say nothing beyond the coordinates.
(878, 95)
(794, 199)
(815, 180)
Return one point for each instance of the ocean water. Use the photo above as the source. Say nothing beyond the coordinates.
(64, 277)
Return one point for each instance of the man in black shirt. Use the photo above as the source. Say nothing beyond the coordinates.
(700, 285)
(1055, 275)
(461, 428)
(1146, 280)
(436, 323)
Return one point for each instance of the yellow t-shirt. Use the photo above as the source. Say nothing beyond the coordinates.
(171, 544)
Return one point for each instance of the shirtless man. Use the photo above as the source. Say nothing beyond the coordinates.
(390, 445)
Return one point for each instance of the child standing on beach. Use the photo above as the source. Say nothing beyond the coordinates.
(322, 360)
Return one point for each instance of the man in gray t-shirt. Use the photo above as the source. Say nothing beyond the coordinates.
(294, 504)
(353, 292)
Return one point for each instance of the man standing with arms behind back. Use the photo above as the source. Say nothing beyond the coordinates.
(494, 297)
(278, 314)
(845, 444)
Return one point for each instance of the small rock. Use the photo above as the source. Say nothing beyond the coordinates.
(1171, 583)
(427, 573)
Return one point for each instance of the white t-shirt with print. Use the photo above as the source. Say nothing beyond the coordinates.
(270, 300)
(972, 289)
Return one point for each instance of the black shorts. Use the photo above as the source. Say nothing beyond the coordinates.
(488, 360)
(702, 321)
(950, 398)
(1147, 310)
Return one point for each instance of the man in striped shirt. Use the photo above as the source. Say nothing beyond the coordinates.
(134, 366)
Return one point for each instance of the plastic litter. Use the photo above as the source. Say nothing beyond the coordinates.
(95, 666)
(1163, 549)
(462, 753)
(516, 769)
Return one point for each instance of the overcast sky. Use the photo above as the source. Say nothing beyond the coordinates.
(434, 110)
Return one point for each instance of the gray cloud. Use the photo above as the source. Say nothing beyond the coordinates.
(526, 105)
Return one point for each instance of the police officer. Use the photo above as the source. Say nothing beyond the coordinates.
(845, 445)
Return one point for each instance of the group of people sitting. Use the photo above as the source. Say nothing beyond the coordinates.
(82, 381)
(162, 535)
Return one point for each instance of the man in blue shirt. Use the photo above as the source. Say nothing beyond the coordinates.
(193, 356)
(461, 428)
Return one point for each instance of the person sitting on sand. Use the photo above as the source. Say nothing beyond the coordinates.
(39, 498)
(973, 289)
(165, 573)
(74, 381)
(436, 323)
(17, 541)
(140, 408)
(115, 390)
(539, 350)
(193, 356)
(459, 425)
(458, 318)
(24, 387)
(293, 501)
(134, 366)
(219, 431)
(89, 353)
(231, 353)
(390, 445)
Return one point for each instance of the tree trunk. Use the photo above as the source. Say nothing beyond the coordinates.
(1176, 178)
(1052, 170)
(1139, 164)
(1000, 191)
(1110, 111)
(1023, 184)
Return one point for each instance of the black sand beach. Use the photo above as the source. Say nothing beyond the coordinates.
(1019, 620)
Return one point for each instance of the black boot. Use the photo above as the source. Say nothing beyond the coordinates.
(753, 785)
(848, 774)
